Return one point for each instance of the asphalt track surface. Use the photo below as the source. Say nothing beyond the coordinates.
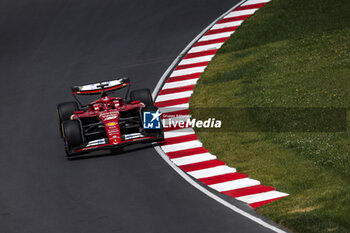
(46, 46)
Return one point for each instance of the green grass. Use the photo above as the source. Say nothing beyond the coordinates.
(291, 53)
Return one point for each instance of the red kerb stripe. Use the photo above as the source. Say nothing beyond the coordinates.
(260, 203)
(202, 165)
(220, 30)
(188, 152)
(220, 40)
(183, 77)
(252, 6)
(200, 54)
(185, 138)
(172, 102)
(181, 67)
(248, 191)
(177, 89)
(222, 178)
(231, 19)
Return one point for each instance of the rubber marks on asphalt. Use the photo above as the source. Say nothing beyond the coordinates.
(181, 144)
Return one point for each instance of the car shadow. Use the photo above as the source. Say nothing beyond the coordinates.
(111, 152)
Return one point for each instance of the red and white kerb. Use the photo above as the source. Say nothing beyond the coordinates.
(182, 145)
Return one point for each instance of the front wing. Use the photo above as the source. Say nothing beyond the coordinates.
(103, 144)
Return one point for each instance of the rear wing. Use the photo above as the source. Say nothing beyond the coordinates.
(97, 88)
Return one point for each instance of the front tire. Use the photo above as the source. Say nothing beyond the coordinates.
(64, 112)
(144, 95)
(72, 134)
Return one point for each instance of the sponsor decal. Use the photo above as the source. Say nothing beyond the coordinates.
(116, 104)
(113, 131)
(110, 118)
(96, 142)
(96, 107)
(132, 136)
(111, 123)
(109, 114)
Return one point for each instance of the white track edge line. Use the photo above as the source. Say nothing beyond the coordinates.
(177, 169)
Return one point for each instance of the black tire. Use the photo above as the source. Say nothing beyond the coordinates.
(150, 108)
(72, 133)
(144, 95)
(64, 111)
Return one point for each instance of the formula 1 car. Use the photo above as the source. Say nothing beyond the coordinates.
(108, 122)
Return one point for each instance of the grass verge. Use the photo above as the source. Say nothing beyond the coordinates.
(291, 53)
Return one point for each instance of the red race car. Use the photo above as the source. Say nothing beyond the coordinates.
(108, 122)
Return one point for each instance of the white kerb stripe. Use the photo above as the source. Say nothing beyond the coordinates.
(213, 171)
(196, 60)
(182, 146)
(193, 159)
(241, 13)
(229, 24)
(251, 2)
(261, 196)
(174, 108)
(193, 70)
(216, 36)
(178, 133)
(172, 96)
(180, 83)
(205, 47)
(234, 184)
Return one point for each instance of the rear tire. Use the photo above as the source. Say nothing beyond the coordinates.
(144, 95)
(72, 133)
(64, 112)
